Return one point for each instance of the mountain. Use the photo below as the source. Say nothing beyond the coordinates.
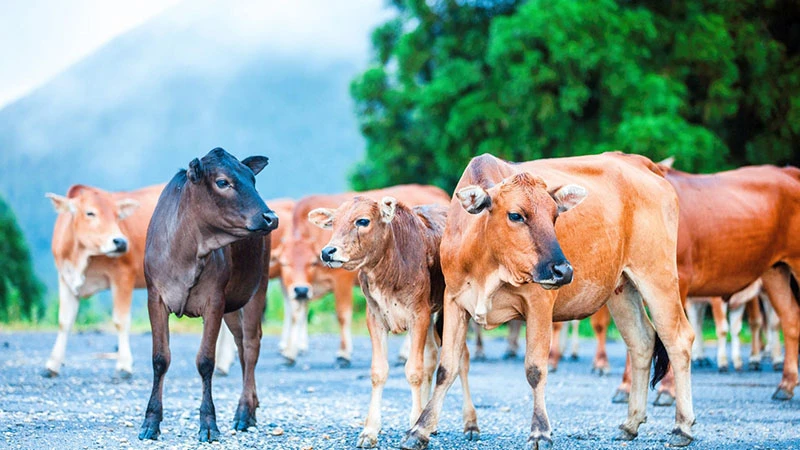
(240, 75)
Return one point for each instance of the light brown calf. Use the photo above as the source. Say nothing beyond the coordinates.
(98, 243)
(306, 278)
(502, 259)
(396, 251)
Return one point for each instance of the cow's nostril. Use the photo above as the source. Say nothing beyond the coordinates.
(327, 254)
(562, 272)
(301, 292)
(120, 244)
(271, 219)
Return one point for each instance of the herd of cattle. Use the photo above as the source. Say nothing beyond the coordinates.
(542, 242)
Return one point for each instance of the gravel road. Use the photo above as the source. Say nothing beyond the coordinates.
(314, 406)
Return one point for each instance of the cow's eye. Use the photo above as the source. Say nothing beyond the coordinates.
(90, 214)
(222, 183)
(515, 217)
(362, 222)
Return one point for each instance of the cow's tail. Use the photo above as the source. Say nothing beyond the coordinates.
(660, 362)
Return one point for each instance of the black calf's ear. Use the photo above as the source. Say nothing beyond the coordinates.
(195, 172)
(256, 163)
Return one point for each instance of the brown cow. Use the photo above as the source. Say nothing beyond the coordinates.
(98, 243)
(306, 278)
(205, 256)
(396, 251)
(226, 347)
(600, 322)
(502, 259)
(735, 227)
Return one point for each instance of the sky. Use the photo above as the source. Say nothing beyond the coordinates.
(41, 38)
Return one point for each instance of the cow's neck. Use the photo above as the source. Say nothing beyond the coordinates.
(402, 256)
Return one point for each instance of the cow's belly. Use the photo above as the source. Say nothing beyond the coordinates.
(392, 312)
(93, 283)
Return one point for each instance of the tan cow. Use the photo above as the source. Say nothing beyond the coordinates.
(502, 259)
(395, 249)
(306, 278)
(98, 243)
(226, 347)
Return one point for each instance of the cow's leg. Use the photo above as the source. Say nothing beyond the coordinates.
(67, 312)
(539, 327)
(299, 314)
(514, 327)
(380, 371)
(622, 395)
(405, 350)
(629, 314)
(454, 336)
(468, 414)
(719, 312)
(600, 322)
(286, 330)
(736, 316)
(431, 360)
(778, 288)
(575, 339)
(159, 324)
(302, 336)
(674, 330)
(696, 311)
(343, 293)
(212, 320)
(480, 354)
(415, 364)
(122, 292)
(226, 351)
(554, 356)
(773, 337)
(249, 349)
(755, 321)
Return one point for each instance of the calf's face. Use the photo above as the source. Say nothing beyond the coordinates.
(359, 229)
(299, 263)
(224, 190)
(520, 214)
(94, 220)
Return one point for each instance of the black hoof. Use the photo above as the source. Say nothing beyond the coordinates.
(400, 361)
(243, 419)
(208, 434)
(289, 362)
(150, 430)
(620, 396)
(755, 366)
(123, 375)
(509, 354)
(479, 357)
(664, 399)
(573, 357)
(472, 433)
(723, 369)
(679, 439)
(47, 373)
(782, 394)
(541, 443)
(552, 369)
(601, 371)
(342, 363)
(414, 441)
(625, 435)
(777, 367)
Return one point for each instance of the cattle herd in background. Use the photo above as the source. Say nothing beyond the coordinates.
(539, 243)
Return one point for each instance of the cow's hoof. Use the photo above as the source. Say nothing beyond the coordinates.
(472, 433)
(723, 369)
(601, 371)
(243, 420)
(552, 368)
(573, 357)
(47, 373)
(782, 394)
(367, 439)
(509, 354)
(342, 362)
(625, 435)
(479, 357)
(414, 441)
(664, 399)
(220, 372)
(150, 431)
(541, 443)
(289, 362)
(620, 396)
(679, 439)
(208, 434)
(702, 362)
(401, 361)
(754, 366)
(123, 375)
(778, 366)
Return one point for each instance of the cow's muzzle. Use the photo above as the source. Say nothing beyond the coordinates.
(329, 256)
(555, 275)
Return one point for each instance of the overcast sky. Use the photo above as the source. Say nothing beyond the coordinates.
(40, 38)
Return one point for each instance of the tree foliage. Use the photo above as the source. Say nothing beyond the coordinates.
(716, 84)
(20, 289)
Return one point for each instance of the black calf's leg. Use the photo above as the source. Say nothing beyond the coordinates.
(212, 321)
(161, 357)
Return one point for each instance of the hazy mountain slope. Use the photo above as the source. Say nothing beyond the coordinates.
(199, 76)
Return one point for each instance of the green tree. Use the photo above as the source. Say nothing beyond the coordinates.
(716, 84)
(20, 290)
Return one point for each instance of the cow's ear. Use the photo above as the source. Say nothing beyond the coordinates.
(388, 207)
(474, 199)
(321, 217)
(126, 207)
(568, 196)
(61, 204)
(668, 163)
(195, 172)
(256, 163)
